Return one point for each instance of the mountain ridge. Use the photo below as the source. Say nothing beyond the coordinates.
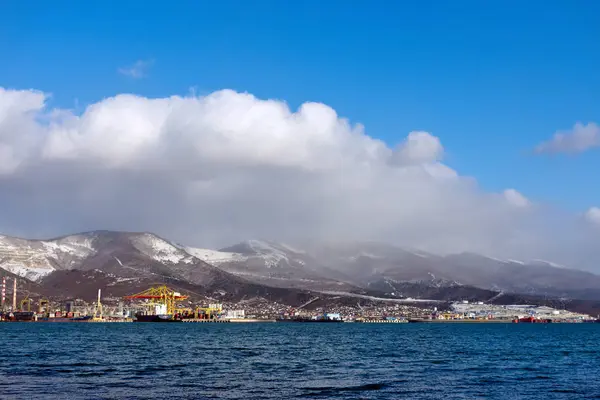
(254, 264)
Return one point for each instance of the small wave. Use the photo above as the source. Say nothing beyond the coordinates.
(325, 390)
(439, 361)
(570, 391)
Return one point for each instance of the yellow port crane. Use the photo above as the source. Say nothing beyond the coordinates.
(43, 305)
(160, 295)
(26, 301)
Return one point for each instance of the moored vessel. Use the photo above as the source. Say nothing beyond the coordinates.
(155, 318)
(21, 316)
(300, 319)
(532, 320)
(17, 316)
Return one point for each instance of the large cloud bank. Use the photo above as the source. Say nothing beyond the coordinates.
(212, 170)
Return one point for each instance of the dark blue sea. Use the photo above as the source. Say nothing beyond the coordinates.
(304, 361)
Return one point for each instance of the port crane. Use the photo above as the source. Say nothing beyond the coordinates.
(43, 305)
(98, 313)
(26, 302)
(160, 295)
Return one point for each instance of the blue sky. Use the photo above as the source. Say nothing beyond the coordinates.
(491, 81)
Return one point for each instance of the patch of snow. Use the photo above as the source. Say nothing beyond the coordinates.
(292, 249)
(548, 263)
(268, 277)
(160, 250)
(369, 255)
(382, 299)
(27, 259)
(495, 259)
(31, 273)
(7, 247)
(73, 245)
(419, 254)
(260, 246)
(366, 255)
(515, 261)
(270, 254)
(214, 256)
(125, 279)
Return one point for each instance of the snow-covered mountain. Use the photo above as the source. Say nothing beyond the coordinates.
(123, 263)
(128, 257)
(372, 265)
(271, 263)
(215, 257)
(121, 253)
(161, 250)
(374, 262)
(34, 259)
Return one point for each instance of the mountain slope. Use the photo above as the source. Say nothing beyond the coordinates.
(33, 259)
(123, 256)
(370, 262)
(367, 264)
(273, 264)
(122, 263)
(137, 259)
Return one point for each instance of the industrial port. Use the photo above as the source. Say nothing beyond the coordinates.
(163, 304)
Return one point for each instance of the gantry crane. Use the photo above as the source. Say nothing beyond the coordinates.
(160, 295)
(43, 306)
(24, 302)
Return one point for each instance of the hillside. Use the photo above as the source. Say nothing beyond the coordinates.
(123, 263)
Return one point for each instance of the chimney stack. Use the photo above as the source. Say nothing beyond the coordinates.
(3, 292)
(14, 308)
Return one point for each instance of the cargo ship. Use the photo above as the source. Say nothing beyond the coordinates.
(308, 320)
(19, 316)
(84, 318)
(381, 321)
(155, 318)
(459, 321)
(305, 319)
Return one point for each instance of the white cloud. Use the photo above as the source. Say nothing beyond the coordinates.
(419, 148)
(138, 70)
(208, 171)
(579, 139)
(18, 127)
(593, 215)
(515, 198)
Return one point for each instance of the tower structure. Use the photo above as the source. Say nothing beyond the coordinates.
(98, 312)
(3, 293)
(14, 302)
